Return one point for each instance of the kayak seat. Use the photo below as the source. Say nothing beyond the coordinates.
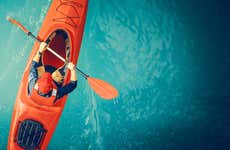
(30, 134)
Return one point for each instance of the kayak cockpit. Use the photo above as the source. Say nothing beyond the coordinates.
(58, 41)
(60, 44)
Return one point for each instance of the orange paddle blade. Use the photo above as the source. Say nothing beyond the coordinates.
(102, 88)
(13, 21)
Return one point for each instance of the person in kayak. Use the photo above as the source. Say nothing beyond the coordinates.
(57, 74)
(44, 87)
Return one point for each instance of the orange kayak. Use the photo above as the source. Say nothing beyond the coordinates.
(33, 122)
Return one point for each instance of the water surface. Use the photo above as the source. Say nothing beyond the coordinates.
(169, 60)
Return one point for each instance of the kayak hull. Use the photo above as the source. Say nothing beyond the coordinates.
(33, 124)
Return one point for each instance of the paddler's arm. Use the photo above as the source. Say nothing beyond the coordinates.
(35, 62)
(41, 49)
(33, 75)
(70, 86)
(73, 76)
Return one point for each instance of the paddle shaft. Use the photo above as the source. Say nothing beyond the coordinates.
(56, 54)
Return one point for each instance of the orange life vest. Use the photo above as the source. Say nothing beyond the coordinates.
(49, 101)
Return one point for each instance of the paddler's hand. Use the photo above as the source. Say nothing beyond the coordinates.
(42, 47)
(73, 76)
(71, 66)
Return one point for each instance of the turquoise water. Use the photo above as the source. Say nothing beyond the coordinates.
(169, 60)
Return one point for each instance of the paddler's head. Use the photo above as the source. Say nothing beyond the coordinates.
(45, 83)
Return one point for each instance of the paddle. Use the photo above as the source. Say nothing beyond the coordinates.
(102, 88)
